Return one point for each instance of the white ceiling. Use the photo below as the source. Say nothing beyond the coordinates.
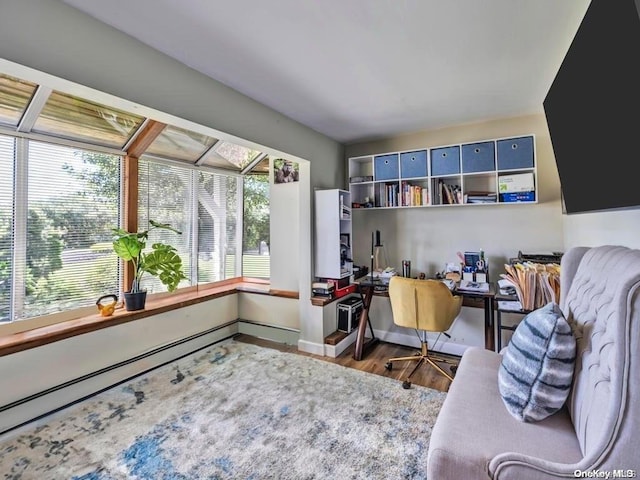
(357, 70)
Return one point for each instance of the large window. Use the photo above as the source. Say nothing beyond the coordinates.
(61, 163)
(202, 205)
(55, 250)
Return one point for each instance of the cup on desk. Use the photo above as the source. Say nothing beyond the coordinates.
(406, 268)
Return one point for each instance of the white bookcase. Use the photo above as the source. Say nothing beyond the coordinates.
(498, 171)
(333, 255)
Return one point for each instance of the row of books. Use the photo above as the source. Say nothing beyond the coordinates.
(388, 195)
(449, 194)
(414, 195)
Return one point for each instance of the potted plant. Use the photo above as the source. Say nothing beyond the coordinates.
(162, 261)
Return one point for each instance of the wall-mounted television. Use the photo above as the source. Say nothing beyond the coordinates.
(593, 110)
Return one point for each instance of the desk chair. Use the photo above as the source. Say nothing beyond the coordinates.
(425, 306)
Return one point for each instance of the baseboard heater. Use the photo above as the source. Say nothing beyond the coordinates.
(102, 371)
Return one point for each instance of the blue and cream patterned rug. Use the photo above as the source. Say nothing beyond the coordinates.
(234, 411)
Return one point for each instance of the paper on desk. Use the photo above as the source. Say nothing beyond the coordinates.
(509, 306)
(469, 286)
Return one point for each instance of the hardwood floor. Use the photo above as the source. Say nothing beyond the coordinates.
(374, 362)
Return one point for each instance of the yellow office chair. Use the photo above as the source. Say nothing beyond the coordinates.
(426, 306)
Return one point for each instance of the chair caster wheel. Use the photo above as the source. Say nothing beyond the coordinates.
(406, 384)
(388, 366)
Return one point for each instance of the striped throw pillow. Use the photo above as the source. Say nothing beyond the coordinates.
(536, 371)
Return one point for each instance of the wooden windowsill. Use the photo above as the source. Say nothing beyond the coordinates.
(17, 342)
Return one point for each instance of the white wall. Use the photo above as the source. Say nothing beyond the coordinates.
(619, 227)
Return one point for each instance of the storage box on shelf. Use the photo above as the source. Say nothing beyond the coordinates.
(495, 171)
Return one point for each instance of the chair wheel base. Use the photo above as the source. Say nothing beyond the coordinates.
(406, 384)
(388, 365)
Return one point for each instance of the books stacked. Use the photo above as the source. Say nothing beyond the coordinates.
(480, 197)
(361, 179)
(323, 289)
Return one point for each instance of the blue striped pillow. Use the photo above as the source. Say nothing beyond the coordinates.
(537, 367)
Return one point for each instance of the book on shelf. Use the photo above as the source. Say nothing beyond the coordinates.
(361, 179)
(449, 194)
(345, 212)
(480, 197)
(414, 195)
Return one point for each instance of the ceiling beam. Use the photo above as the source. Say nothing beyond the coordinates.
(149, 131)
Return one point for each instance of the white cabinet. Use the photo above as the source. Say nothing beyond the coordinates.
(333, 258)
(499, 171)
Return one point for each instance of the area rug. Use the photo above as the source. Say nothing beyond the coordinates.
(234, 411)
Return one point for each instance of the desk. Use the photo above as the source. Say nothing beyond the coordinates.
(499, 311)
(487, 303)
(367, 289)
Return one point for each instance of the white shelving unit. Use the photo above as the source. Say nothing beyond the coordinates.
(333, 255)
(498, 171)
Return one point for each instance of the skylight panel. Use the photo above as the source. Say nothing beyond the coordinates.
(14, 98)
(74, 118)
(180, 144)
(229, 156)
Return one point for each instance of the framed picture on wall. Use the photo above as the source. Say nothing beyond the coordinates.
(285, 171)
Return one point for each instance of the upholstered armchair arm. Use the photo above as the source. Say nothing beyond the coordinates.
(516, 466)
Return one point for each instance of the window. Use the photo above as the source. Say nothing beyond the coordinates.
(6, 225)
(61, 160)
(202, 205)
(55, 245)
(255, 237)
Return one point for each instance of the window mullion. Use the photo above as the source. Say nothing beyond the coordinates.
(20, 216)
(239, 225)
(194, 193)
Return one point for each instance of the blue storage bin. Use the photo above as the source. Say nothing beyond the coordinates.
(386, 167)
(478, 157)
(515, 153)
(445, 161)
(413, 164)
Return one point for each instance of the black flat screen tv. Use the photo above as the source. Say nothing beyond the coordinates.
(593, 110)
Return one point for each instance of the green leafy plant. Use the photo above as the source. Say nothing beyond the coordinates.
(162, 261)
